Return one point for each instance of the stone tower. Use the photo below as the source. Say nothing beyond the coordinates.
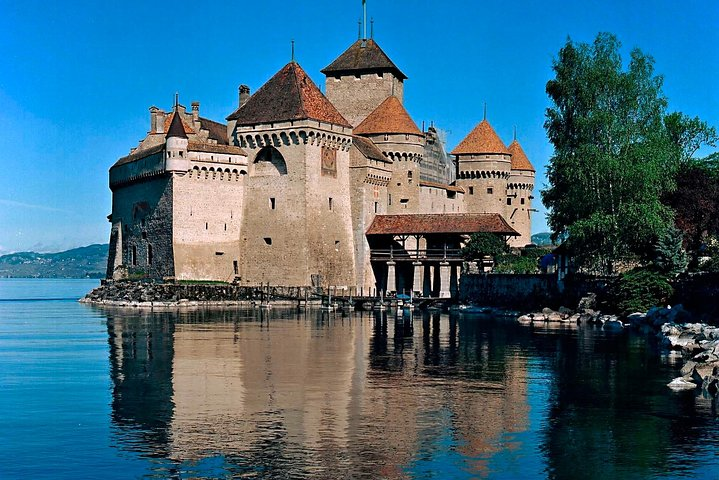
(393, 131)
(483, 169)
(519, 196)
(362, 78)
(297, 214)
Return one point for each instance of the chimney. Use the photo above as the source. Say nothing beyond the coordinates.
(244, 94)
(195, 111)
(153, 119)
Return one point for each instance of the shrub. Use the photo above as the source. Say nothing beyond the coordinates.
(638, 290)
(481, 244)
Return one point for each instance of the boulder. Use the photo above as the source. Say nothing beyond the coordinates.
(612, 323)
(555, 317)
(588, 302)
(525, 320)
(547, 311)
(681, 383)
(565, 311)
(637, 318)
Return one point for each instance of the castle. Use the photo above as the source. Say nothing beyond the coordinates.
(300, 188)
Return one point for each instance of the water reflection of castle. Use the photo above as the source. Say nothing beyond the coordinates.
(319, 395)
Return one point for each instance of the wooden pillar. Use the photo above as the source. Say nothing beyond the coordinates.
(453, 280)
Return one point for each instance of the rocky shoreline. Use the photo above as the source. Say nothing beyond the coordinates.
(698, 343)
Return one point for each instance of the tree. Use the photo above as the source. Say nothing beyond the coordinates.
(669, 255)
(484, 244)
(614, 157)
(696, 202)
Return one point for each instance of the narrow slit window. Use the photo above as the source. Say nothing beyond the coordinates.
(330, 203)
(149, 254)
(268, 240)
(273, 204)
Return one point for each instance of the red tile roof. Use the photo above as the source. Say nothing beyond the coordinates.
(443, 186)
(168, 124)
(363, 56)
(211, 148)
(369, 149)
(289, 95)
(482, 139)
(459, 223)
(519, 158)
(389, 117)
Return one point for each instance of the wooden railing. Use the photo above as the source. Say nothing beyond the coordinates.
(426, 254)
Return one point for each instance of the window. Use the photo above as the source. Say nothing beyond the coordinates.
(206, 226)
(386, 137)
(225, 227)
(235, 267)
(471, 190)
(149, 254)
(490, 190)
(521, 200)
(509, 201)
(272, 203)
(330, 203)
(268, 240)
(409, 176)
(389, 199)
(376, 207)
(134, 255)
(144, 235)
(219, 254)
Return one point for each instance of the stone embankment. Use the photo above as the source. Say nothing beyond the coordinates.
(149, 294)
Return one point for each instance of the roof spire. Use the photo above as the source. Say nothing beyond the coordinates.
(485, 111)
(371, 28)
(515, 133)
(364, 14)
(293, 50)
(359, 28)
(177, 100)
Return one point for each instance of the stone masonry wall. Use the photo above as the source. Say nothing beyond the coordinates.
(356, 97)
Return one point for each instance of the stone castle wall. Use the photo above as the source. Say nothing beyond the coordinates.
(357, 96)
(519, 206)
(143, 212)
(207, 217)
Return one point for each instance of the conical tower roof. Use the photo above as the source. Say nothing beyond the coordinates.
(363, 56)
(289, 95)
(389, 117)
(519, 158)
(482, 139)
(177, 128)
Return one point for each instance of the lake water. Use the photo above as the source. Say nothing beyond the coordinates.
(92, 393)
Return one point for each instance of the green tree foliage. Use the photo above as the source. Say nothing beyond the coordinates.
(482, 244)
(669, 255)
(638, 290)
(613, 159)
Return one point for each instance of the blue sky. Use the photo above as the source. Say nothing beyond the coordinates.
(77, 78)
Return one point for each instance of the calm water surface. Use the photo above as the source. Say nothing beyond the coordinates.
(93, 393)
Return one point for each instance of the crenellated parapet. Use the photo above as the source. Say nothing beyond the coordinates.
(289, 135)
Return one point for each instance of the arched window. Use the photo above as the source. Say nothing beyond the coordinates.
(269, 162)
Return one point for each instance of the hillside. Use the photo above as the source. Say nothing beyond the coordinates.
(542, 239)
(83, 262)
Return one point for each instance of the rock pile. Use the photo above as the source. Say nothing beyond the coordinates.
(586, 313)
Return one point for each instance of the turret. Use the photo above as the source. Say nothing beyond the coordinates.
(483, 170)
(519, 195)
(176, 145)
(394, 132)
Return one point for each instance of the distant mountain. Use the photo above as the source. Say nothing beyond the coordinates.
(542, 239)
(83, 262)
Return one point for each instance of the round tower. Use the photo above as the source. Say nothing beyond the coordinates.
(519, 196)
(393, 131)
(483, 170)
(176, 145)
